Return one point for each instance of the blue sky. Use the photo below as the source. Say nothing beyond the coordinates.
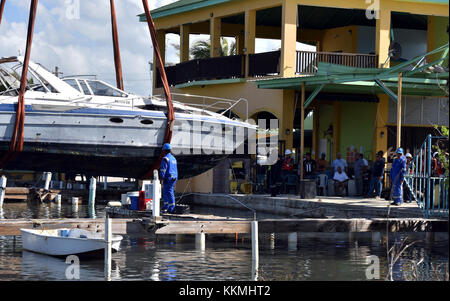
(84, 45)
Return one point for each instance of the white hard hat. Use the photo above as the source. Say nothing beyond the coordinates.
(408, 155)
(287, 152)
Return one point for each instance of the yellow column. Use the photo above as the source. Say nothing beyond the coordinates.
(431, 32)
(381, 133)
(240, 43)
(288, 38)
(161, 38)
(184, 42)
(215, 32)
(287, 118)
(250, 35)
(336, 128)
(383, 36)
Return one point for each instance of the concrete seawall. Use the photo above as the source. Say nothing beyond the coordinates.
(293, 206)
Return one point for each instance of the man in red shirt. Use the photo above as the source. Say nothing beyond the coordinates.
(287, 166)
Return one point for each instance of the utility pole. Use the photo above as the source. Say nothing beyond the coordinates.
(57, 73)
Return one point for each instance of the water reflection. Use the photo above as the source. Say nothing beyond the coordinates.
(35, 210)
(322, 257)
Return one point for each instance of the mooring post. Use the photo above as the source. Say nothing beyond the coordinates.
(58, 199)
(200, 241)
(92, 189)
(75, 204)
(3, 180)
(156, 195)
(47, 178)
(292, 241)
(272, 241)
(108, 239)
(376, 237)
(58, 204)
(255, 250)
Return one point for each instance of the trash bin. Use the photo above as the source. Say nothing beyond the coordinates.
(134, 198)
(308, 189)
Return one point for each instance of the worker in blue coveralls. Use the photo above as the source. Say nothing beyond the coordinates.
(168, 173)
(397, 176)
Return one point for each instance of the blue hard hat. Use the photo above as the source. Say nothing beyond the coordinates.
(399, 150)
(167, 146)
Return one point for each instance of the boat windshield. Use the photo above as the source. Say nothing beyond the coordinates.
(94, 87)
(10, 73)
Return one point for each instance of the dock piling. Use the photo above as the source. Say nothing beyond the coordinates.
(47, 178)
(292, 241)
(200, 241)
(92, 189)
(75, 206)
(3, 180)
(108, 239)
(156, 194)
(272, 241)
(255, 250)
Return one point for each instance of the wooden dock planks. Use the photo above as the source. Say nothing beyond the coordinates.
(208, 227)
(168, 227)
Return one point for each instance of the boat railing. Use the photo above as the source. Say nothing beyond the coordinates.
(212, 104)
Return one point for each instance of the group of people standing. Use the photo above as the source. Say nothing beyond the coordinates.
(368, 181)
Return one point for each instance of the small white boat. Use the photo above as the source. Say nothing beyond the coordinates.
(64, 242)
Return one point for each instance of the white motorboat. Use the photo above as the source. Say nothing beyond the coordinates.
(64, 242)
(87, 126)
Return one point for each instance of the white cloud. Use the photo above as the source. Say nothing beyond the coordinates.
(84, 45)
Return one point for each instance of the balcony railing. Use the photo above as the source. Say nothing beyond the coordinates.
(260, 64)
(308, 61)
(264, 64)
(205, 69)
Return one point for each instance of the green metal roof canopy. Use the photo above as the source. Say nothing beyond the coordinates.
(417, 80)
(181, 7)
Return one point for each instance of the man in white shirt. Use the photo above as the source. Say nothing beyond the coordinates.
(339, 162)
(358, 167)
(340, 182)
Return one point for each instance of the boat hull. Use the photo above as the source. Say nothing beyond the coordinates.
(38, 242)
(103, 161)
(105, 142)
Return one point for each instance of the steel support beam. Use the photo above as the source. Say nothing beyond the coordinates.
(313, 95)
(387, 90)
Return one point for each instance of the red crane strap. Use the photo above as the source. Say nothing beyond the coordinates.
(115, 37)
(2, 7)
(159, 63)
(16, 144)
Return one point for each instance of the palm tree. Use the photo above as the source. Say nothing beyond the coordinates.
(202, 49)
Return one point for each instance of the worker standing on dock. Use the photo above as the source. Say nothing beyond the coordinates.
(397, 176)
(169, 175)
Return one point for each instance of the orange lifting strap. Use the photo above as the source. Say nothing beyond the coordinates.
(16, 144)
(115, 37)
(2, 7)
(159, 63)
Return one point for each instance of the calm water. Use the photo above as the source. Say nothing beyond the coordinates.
(316, 256)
